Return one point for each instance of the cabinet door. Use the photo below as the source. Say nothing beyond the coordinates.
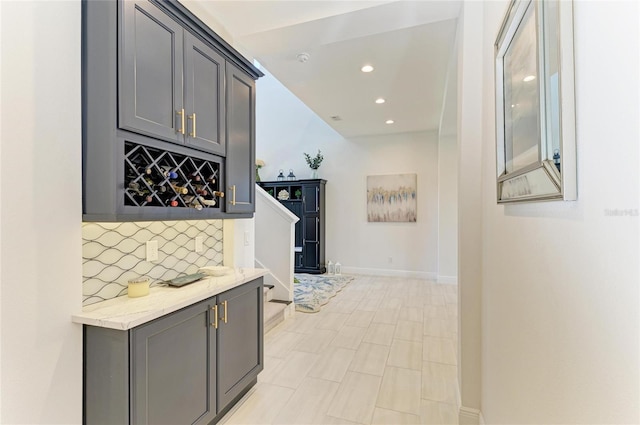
(310, 248)
(150, 72)
(173, 369)
(241, 148)
(204, 95)
(310, 194)
(240, 339)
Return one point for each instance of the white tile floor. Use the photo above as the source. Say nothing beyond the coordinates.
(383, 351)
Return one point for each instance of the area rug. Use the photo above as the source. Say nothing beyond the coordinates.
(311, 292)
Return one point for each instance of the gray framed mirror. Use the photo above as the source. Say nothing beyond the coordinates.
(535, 106)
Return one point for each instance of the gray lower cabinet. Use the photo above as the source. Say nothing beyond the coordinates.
(240, 340)
(173, 369)
(188, 367)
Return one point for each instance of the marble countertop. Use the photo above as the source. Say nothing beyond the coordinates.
(125, 313)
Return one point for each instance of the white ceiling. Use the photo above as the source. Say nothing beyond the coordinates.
(408, 42)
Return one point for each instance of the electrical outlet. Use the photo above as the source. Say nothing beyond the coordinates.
(152, 250)
(246, 238)
(199, 244)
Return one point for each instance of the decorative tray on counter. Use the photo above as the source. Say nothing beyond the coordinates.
(185, 280)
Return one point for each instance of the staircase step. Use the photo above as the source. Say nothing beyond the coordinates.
(274, 313)
(268, 293)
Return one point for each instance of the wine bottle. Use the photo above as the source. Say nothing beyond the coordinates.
(200, 190)
(207, 202)
(220, 194)
(193, 203)
(160, 188)
(180, 189)
(171, 202)
(149, 182)
(194, 177)
(212, 179)
(166, 170)
(144, 170)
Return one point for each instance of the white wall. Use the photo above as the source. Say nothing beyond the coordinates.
(448, 178)
(239, 243)
(470, 229)
(40, 213)
(286, 128)
(560, 298)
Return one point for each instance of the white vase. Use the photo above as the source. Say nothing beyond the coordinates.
(314, 173)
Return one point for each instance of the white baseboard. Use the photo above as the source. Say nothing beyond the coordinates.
(470, 416)
(389, 272)
(448, 279)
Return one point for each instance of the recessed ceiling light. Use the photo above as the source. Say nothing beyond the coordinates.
(389, 122)
(380, 100)
(529, 78)
(366, 68)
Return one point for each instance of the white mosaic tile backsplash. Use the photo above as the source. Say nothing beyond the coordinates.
(113, 253)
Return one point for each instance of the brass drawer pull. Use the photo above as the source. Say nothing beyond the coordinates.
(233, 194)
(224, 304)
(215, 316)
(181, 113)
(193, 118)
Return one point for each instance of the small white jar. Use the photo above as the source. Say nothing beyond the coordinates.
(138, 287)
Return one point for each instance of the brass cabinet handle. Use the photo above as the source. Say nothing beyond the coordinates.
(181, 113)
(224, 304)
(215, 316)
(233, 194)
(193, 118)
(233, 197)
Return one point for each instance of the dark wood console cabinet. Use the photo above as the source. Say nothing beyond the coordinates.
(306, 199)
(168, 116)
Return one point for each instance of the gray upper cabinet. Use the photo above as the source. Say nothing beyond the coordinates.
(204, 96)
(171, 82)
(150, 73)
(168, 125)
(241, 170)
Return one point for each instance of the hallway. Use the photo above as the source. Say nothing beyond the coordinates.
(383, 351)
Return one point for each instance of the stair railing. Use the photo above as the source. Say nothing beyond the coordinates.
(274, 243)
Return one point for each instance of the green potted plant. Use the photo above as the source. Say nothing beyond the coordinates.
(314, 163)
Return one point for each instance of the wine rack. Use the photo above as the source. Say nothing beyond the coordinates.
(158, 178)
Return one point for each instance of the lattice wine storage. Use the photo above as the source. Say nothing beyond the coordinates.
(158, 178)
